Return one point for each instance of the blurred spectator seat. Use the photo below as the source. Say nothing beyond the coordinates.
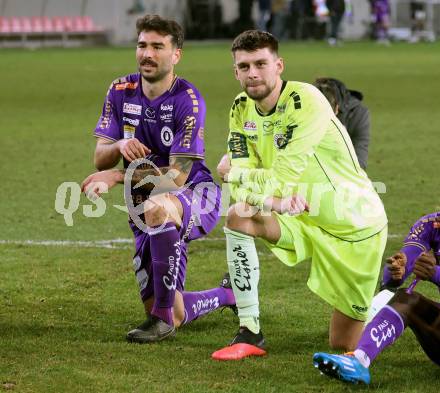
(57, 30)
(5, 27)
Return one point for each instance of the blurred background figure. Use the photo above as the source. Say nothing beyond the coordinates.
(280, 18)
(381, 13)
(321, 19)
(336, 10)
(348, 107)
(303, 13)
(264, 11)
(136, 8)
(245, 21)
(419, 18)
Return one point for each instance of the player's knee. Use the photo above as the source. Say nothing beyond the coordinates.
(404, 303)
(238, 218)
(154, 212)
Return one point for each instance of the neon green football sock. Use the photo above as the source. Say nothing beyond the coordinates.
(244, 269)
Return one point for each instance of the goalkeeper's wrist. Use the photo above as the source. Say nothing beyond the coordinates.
(237, 175)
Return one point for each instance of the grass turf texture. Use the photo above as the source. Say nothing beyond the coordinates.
(64, 310)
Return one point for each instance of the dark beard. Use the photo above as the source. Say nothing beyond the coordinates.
(259, 96)
(154, 78)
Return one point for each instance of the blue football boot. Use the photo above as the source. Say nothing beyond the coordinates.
(344, 367)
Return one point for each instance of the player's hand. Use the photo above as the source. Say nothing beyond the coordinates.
(396, 265)
(100, 182)
(292, 205)
(424, 267)
(132, 149)
(223, 167)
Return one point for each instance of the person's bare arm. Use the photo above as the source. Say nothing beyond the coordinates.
(161, 180)
(108, 153)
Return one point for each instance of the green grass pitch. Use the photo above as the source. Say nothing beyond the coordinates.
(64, 310)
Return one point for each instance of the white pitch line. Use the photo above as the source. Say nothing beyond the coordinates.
(114, 243)
(118, 243)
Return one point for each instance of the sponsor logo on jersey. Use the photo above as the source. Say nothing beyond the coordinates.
(189, 123)
(166, 117)
(132, 109)
(168, 107)
(359, 308)
(166, 135)
(268, 127)
(281, 108)
(250, 126)
(237, 145)
(253, 138)
(133, 122)
(129, 131)
(128, 85)
(201, 133)
(106, 117)
(150, 113)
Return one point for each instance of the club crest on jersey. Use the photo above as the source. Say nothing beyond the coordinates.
(166, 136)
(281, 140)
(250, 126)
(132, 109)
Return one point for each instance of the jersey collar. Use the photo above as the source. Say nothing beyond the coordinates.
(272, 111)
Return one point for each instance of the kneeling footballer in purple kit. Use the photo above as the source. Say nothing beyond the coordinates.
(405, 309)
(156, 118)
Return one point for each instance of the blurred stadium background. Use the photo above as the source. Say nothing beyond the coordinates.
(74, 22)
(68, 294)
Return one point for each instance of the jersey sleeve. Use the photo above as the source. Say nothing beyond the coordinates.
(242, 155)
(308, 119)
(190, 123)
(108, 126)
(416, 242)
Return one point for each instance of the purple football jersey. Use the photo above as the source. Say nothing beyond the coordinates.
(171, 124)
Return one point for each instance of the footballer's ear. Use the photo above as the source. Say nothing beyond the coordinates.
(236, 72)
(177, 55)
(280, 65)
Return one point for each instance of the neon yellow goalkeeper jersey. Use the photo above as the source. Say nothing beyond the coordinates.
(301, 147)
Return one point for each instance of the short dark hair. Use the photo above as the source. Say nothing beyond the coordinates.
(252, 40)
(162, 26)
(332, 90)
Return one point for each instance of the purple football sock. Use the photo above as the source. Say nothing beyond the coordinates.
(201, 303)
(382, 331)
(165, 257)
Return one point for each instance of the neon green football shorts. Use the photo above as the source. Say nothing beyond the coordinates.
(343, 273)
